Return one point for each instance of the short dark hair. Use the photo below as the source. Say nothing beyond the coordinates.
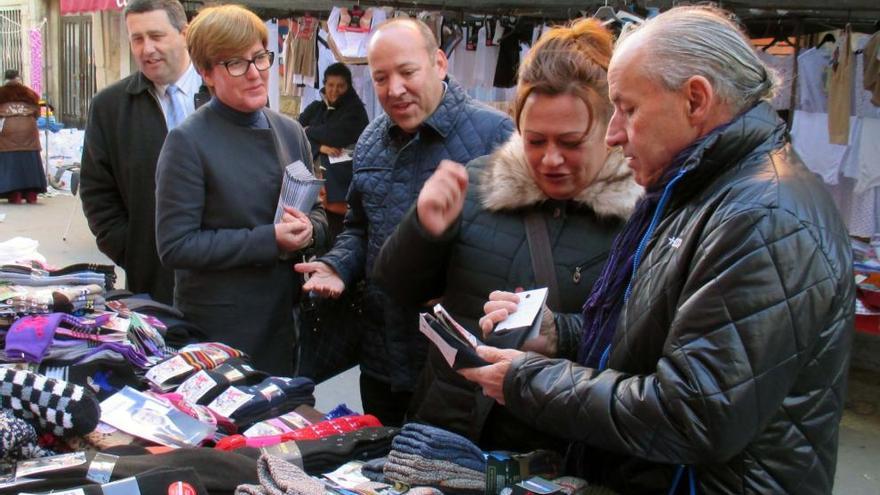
(173, 8)
(11, 74)
(340, 70)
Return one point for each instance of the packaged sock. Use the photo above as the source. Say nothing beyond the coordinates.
(204, 386)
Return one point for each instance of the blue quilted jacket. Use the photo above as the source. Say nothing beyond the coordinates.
(388, 172)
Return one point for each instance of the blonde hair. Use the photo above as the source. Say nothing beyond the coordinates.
(223, 31)
(571, 59)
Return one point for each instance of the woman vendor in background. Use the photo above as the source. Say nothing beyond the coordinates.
(333, 126)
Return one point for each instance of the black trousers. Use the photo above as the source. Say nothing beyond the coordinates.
(378, 400)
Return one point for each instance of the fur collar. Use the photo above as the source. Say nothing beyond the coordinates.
(15, 92)
(507, 184)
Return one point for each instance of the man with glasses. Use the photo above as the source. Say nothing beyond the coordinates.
(217, 185)
(128, 122)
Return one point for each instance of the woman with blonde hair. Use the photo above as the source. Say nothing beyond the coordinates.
(218, 180)
(468, 235)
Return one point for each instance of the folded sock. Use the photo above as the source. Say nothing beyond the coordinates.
(316, 431)
(414, 470)
(279, 477)
(325, 454)
(102, 376)
(218, 472)
(171, 481)
(172, 371)
(60, 407)
(436, 443)
(273, 396)
(374, 469)
(206, 385)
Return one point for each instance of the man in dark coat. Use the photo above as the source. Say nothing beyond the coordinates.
(427, 119)
(716, 343)
(127, 125)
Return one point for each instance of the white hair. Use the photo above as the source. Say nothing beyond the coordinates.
(702, 41)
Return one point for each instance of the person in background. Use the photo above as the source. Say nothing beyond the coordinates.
(428, 117)
(333, 126)
(127, 124)
(468, 234)
(716, 342)
(218, 181)
(22, 176)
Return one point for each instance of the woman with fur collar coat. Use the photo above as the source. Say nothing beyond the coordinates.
(21, 168)
(466, 236)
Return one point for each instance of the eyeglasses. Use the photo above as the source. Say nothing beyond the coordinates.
(238, 67)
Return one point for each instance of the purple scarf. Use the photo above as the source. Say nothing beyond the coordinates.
(603, 307)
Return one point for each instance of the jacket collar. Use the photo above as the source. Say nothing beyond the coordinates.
(139, 84)
(758, 130)
(443, 119)
(507, 184)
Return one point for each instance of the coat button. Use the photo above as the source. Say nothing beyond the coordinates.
(556, 212)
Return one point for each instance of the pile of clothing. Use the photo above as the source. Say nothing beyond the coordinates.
(423, 455)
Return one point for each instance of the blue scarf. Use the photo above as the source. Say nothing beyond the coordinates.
(611, 290)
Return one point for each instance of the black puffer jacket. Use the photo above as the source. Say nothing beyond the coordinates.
(485, 250)
(731, 354)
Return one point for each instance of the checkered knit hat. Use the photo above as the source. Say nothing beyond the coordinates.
(57, 406)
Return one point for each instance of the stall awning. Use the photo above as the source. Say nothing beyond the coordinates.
(83, 6)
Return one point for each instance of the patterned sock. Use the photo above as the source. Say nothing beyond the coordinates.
(279, 476)
(58, 406)
(18, 440)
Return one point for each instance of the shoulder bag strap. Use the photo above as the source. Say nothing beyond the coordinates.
(275, 126)
(542, 256)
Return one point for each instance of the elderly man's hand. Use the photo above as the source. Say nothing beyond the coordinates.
(491, 377)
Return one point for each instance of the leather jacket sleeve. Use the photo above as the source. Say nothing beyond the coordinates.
(760, 295)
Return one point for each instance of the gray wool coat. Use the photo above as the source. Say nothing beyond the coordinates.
(218, 182)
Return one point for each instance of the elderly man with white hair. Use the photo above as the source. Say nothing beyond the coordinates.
(716, 342)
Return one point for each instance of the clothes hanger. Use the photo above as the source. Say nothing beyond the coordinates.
(608, 15)
(605, 14)
(778, 38)
(825, 39)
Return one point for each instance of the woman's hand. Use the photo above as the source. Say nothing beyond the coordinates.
(330, 151)
(442, 197)
(502, 304)
(491, 377)
(294, 232)
(322, 279)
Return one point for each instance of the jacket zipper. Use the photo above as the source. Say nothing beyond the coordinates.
(643, 244)
(576, 276)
